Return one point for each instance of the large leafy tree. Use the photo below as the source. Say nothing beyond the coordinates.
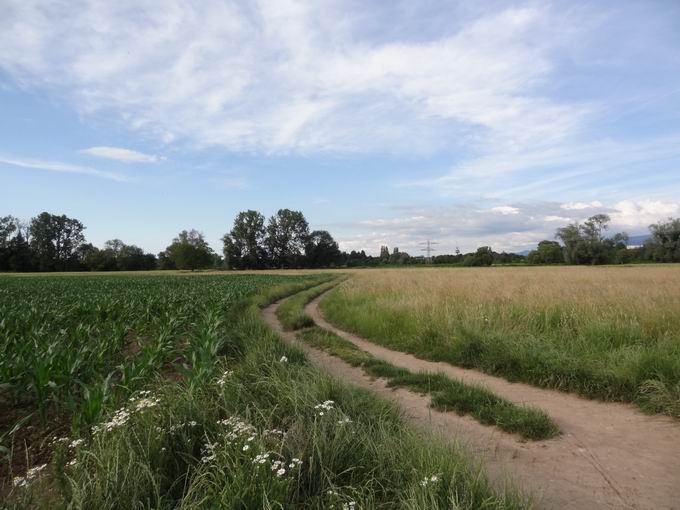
(548, 252)
(55, 240)
(189, 250)
(244, 246)
(15, 252)
(665, 243)
(321, 249)
(587, 244)
(287, 236)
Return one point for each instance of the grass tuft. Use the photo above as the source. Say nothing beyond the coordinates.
(447, 394)
(292, 314)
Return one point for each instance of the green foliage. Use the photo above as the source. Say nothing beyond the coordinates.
(321, 250)
(55, 241)
(246, 428)
(292, 314)
(665, 243)
(482, 257)
(287, 236)
(244, 245)
(189, 250)
(65, 341)
(587, 244)
(548, 252)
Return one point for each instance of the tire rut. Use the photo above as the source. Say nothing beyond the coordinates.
(610, 455)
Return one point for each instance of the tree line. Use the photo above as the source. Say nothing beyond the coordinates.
(50, 242)
(588, 243)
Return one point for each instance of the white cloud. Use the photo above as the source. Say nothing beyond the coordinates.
(505, 210)
(469, 227)
(54, 166)
(282, 76)
(577, 206)
(642, 213)
(120, 154)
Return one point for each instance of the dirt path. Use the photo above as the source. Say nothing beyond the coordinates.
(609, 456)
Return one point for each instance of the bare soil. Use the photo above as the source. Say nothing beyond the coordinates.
(609, 456)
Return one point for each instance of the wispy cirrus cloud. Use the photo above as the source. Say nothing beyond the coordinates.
(56, 166)
(281, 76)
(122, 155)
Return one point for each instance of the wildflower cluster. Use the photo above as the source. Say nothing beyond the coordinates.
(431, 480)
(348, 505)
(31, 474)
(222, 380)
(324, 407)
(277, 466)
(143, 400)
(239, 430)
(208, 452)
(177, 426)
(344, 421)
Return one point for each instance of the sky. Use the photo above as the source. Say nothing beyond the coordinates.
(386, 123)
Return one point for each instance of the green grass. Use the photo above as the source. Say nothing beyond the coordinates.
(447, 394)
(604, 333)
(173, 449)
(292, 314)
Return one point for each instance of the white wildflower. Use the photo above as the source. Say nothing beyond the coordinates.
(429, 480)
(324, 406)
(31, 474)
(76, 443)
(223, 378)
(280, 472)
(283, 359)
(261, 458)
(208, 452)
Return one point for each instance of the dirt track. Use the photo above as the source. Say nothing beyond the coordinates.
(609, 456)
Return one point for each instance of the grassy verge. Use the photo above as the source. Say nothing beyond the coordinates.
(447, 394)
(292, 314)
(256, 427)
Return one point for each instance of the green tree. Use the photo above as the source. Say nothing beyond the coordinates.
(587, 244)
(15, 251)
(321, 249)
(244, 245)
(548, 252)
(482, 257)
(55, 241)
(664, 246)
(287, 235)
(189, 250)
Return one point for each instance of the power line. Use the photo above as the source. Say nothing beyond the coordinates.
(429, 249)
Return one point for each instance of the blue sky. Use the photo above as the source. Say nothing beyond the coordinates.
(469, 123)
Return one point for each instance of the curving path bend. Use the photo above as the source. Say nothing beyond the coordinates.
(610, 456)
